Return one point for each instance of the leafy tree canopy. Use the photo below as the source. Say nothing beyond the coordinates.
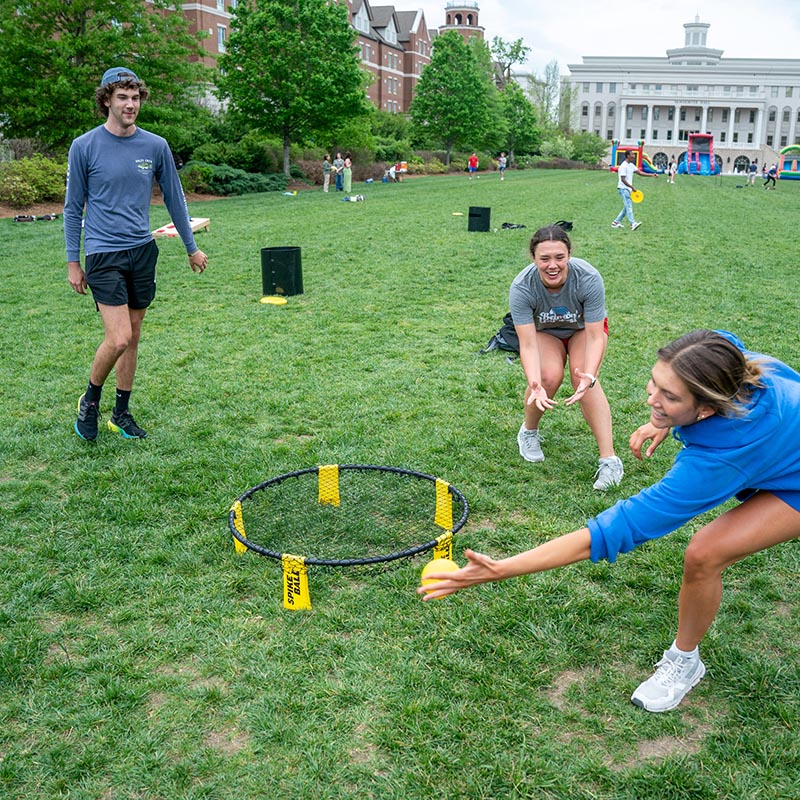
(292, 68)
(451, 103)
(506, 54)
(523, 134)
(54, 53)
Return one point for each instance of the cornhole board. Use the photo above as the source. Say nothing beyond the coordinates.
(171, 232)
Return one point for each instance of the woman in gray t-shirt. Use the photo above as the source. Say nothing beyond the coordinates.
(559, 311)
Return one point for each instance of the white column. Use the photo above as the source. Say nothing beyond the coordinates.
(676, 124)
(731, 123)
(648, 131)
(704, 119)
(758, 137)
(792, 126)
(623, 120)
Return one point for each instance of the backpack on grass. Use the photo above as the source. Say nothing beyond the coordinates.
(505, 339)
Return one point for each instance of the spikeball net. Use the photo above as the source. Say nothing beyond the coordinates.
(345, 515)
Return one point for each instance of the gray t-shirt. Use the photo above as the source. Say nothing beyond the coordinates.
(581, 299)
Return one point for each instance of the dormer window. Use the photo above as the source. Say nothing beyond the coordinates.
(361, 19)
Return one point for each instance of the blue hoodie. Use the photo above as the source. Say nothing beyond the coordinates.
(721, 457)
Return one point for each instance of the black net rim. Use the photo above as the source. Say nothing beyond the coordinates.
(349, 562)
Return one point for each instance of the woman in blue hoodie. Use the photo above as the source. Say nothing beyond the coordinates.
(730, 409)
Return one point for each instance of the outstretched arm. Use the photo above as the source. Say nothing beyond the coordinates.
(566, 549)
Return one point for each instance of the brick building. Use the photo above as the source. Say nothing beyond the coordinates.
(395, 45)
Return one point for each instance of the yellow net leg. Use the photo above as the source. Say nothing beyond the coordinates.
(444, 505)
(238, 523)
(296, 596)
(444, 546)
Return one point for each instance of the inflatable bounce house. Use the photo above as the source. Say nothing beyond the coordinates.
(700, 156)
(789, 164)
(643, 162)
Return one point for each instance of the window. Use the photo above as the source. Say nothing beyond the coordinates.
(642, 133)
(612, 88)
(220, 5)
(671, 114)
(586, 87)
(628, 133)
(644, 112)
(772, 115)
(737, 115)
(633, 86)
(736, 136)
(655, 134)
(609, 134)
(599, 87)
(658, 87)
(656, 112)
(669, 136)
(710, 116)
(749, 138)
(783, 141)
(786, 115)
(724, 114)
(788, 91)
(611, 113)
(584, 110)
(769, 141)
(774, 91)
(752, 116)
(629, 111)
(361, 20)
(753, 89)
(722, 136)
(683, 115)
(220, 38)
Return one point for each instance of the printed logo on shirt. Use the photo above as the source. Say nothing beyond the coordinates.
(559, 314)
(144, 164)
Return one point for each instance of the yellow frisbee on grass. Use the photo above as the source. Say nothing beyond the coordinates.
(637, 196)
(273, 300)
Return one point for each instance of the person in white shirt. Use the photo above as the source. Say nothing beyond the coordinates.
(627, 169)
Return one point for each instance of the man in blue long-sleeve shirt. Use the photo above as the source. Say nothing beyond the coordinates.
(110, 176)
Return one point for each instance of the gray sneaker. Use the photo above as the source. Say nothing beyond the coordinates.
(609, 473)
(674, 678)
(530, 447)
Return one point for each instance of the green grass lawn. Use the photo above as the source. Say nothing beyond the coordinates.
(140, 657)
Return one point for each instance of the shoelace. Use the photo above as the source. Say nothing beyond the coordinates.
(669, 671)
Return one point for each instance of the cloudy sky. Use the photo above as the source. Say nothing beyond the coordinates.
(565, 30)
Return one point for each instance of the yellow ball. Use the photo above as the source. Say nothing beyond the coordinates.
(435, 566)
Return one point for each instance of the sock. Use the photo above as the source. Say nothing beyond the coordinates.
(685, 653)
(93, 393)
(121, 402)
(529, 430)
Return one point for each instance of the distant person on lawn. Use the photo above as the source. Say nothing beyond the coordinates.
(111, 170)
(627, 169)
(737, 416)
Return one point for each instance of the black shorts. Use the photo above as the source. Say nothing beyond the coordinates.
(124, 277)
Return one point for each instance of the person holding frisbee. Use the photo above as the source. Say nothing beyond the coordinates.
(558, 305)
(625, 172)
(111, 170)
(728, 407)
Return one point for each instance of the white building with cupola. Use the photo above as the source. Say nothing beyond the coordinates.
(751, 106)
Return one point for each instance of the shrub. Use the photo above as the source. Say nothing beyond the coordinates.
(32, 180)
(222, 179)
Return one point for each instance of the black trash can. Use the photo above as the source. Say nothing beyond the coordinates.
(478, 218)
(281, 271)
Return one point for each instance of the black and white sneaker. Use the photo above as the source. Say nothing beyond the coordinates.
(126, 426)
(86, 424)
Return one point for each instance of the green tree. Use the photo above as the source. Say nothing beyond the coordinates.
(495, 130)
(506, 54)
(54, 53)
(292, 68)
(588, 147)
(451, 105)
(523, 134)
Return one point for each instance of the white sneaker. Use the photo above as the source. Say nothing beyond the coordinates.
(615, 224)
(635, 225)
(609, 473)
(674, 678)
(530, 447)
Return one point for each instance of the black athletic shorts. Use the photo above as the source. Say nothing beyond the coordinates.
(124, 277)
